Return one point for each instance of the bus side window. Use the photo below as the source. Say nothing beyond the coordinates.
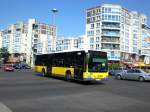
(67, 62)
(59, 62)
(54, 62)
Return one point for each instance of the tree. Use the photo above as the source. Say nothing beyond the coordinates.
(4, 54)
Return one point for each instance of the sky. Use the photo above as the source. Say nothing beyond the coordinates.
(70, 18)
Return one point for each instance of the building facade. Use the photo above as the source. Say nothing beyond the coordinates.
(71, 43)
(26, 39)
(118, 31)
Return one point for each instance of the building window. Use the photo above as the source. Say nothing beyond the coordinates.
(97, 46)
(98, 10)
(43, 31)
(90, 33)
(92, 26)
(91, 40)
(97, 25)
(91, 46)
(97, 32)
(98, 18)
(97, 39)
(92, 19)
(88, 14)
(34, 26)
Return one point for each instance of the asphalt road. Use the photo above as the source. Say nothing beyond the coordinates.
(26, 91)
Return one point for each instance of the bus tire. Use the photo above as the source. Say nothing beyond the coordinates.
(68, 76)
(43, 72)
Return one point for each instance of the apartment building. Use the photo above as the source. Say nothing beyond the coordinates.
(118, 31)
(26, 39)
(145, 45)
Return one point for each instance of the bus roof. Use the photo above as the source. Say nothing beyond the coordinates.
(75, 50)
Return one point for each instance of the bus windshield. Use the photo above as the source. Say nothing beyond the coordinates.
(97, 64)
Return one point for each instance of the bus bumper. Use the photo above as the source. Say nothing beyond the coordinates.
(92, 79)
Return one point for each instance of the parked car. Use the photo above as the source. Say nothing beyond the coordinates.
(134, 74)
(8, 67)
(21, 66)
(25, 66)
(116, 71)
(16, 66)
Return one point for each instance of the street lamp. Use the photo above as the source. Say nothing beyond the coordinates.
(54, 12)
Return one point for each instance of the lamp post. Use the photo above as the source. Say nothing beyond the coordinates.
(54, 11)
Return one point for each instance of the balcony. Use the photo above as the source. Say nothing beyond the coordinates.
(110, 48)
(111, 34)
(110, 26)
(110, 40)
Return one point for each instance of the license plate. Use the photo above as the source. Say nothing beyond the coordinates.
(98, 79)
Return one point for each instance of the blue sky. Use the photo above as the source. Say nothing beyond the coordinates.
(71, 16)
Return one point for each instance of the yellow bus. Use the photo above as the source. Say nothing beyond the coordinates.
(74, 65)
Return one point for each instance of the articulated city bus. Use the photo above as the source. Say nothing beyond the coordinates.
(78, 65)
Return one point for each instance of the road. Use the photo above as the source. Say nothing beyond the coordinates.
(26, 91)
